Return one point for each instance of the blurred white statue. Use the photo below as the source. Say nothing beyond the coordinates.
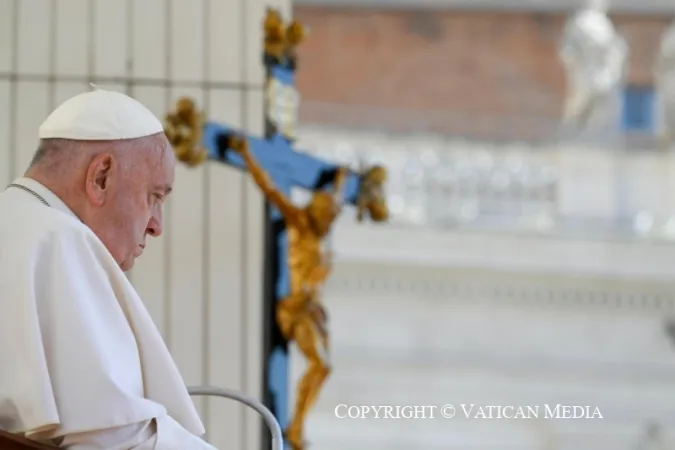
(594, 56)
(664, 77)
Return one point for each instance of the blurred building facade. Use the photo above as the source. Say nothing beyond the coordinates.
(498, 319)
(487, 70)
(521, 267)
(508, 276)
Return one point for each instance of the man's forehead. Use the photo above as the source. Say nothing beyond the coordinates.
(160, 170)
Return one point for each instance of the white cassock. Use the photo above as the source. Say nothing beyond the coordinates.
(82, 364)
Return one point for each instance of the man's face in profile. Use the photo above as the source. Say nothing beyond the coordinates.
(137, 205)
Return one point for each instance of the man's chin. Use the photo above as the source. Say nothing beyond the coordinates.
(128, 264)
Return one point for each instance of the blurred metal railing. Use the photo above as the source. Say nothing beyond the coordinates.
(268, 417)
(446, 182)
(442, 182)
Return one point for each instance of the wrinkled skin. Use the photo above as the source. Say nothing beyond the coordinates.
(116, 188)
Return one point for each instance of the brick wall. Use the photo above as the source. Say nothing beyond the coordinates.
(445, 70)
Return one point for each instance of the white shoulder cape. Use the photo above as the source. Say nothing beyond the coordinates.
(79, 350)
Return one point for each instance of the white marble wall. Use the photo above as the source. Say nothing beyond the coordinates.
(202, 279)
(497, 319)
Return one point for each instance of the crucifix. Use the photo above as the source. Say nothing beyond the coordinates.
(295, 266)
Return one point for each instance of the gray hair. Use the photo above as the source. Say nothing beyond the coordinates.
(51, 150)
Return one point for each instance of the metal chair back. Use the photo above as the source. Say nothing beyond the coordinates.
(268, 417)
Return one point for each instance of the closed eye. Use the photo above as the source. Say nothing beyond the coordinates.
(159, 197)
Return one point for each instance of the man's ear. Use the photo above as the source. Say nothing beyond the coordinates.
(99, 177)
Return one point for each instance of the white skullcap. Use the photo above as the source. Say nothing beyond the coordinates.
(100, 115)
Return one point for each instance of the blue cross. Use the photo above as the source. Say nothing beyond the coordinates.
(288, 168)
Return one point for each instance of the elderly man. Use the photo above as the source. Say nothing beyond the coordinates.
(83, 365)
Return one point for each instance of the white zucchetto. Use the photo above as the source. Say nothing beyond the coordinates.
(100, 115)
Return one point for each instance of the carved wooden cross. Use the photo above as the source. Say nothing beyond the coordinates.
(196, 139)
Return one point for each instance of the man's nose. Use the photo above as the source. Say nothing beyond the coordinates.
(154, 231)
(154, 228)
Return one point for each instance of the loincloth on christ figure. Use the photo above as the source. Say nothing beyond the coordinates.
(289, 315)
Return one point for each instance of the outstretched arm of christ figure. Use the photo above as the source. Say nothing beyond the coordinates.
(262, 179)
